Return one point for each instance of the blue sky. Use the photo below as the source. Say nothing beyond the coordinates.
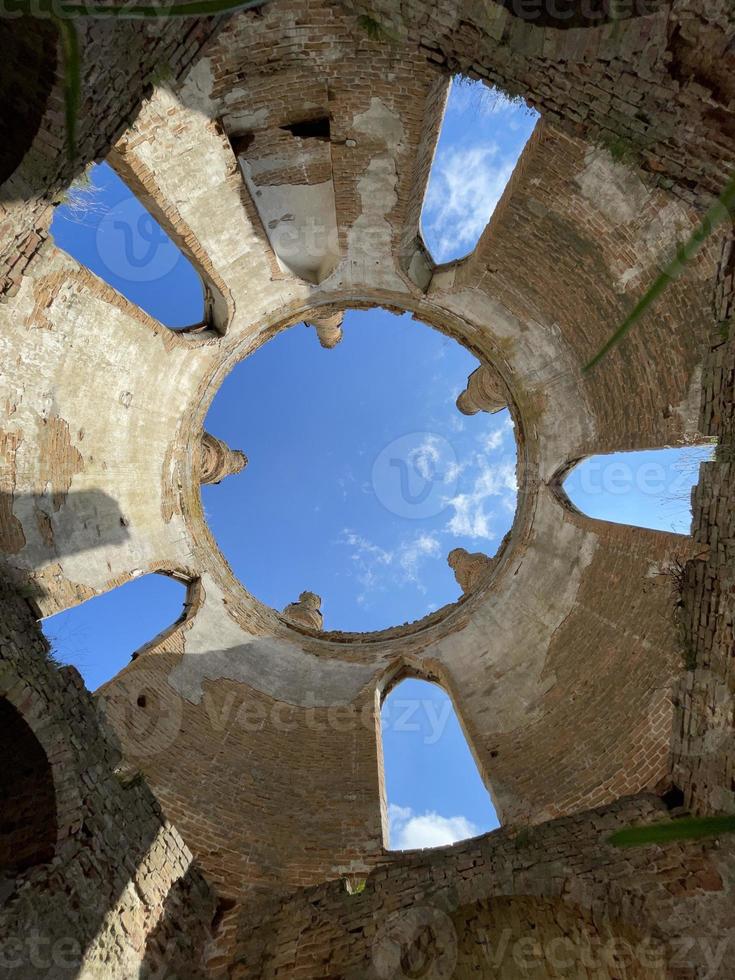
(109, 231)
(481, 139)
(363, 475)
(377, 475)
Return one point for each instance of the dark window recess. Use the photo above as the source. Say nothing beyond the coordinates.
(673, 798)
(314, 129)
(241, 142)
(27, 797)
(26, 78)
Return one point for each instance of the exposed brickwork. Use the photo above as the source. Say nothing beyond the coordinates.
(611, 238)
(195, 753)
(28, 821)
(656, 89)
(119, 62)
(113, 861)
(258, 737)
(670, 906)
(704, 730)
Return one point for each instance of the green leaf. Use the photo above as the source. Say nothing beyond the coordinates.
(72, 81)
(685, 828)
(720, 211)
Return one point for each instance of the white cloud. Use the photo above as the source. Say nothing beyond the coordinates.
(466, 184)
(425, 458)
(409, 830)
(412, 553)
(364, 548)
(454, 470)
(470, 518)
(493, 440)
(377, 569)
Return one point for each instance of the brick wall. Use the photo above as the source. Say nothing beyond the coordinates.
(488, 906)
(627, 85)
(704, 728)
(116, 881)
(120, 60)
(28, 820)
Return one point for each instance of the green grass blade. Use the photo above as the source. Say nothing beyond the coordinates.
(190, 8)
(720, 211)
(686, 828)
(72, 81)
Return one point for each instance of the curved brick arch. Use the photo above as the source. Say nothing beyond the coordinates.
(28, 825)
(29, 47)
(50, 734)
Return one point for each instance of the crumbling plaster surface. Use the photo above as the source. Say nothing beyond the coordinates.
(217, 647)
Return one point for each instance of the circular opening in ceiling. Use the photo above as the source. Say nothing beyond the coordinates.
(366, 485)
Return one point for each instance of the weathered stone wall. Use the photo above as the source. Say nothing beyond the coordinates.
(561, 665)
(575, 241)
(487, 907)
(28, 824)
(101, 898)
(120, 62)
(656, 89)
(704, 729)
(271, 767)
(259, 740)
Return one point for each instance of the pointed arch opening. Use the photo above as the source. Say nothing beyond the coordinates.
(432, 793)
(28, 823)
(482, 137)
(100, 636)
(110, 231)
(650, 488)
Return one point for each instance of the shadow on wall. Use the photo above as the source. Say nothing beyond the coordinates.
(28, 810)
(174, 947)
(42, 527)
(110, 846)
(565, 15)
(29, 53)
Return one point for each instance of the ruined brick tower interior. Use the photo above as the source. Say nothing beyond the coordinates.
(217, 809)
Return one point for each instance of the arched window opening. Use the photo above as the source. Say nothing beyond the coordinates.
(105, 228)
(27, 799)
(434, 792)
(482, 137)
(99, 636)
(651, 488)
